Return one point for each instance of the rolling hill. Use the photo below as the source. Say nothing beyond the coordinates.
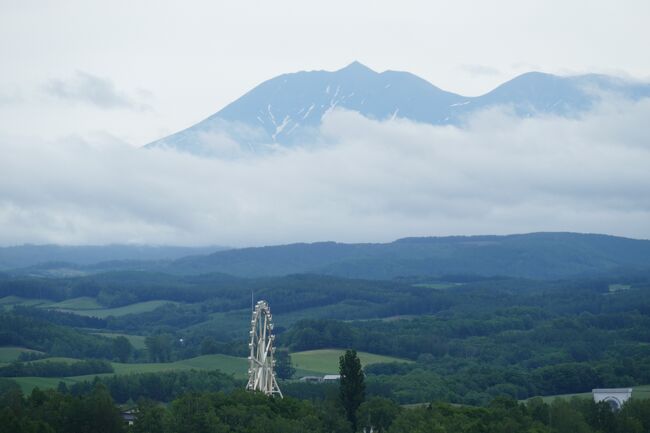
(23, 256)
(535, 255)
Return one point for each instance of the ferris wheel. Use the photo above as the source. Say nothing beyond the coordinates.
(260, 369)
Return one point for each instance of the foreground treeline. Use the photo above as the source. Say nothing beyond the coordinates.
(162, 387)
(242, 412)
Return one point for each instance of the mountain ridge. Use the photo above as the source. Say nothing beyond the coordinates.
(544, 255)
(539, 255)
(287, 110)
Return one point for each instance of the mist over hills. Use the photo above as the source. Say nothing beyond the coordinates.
(534, 255)
(287, 110)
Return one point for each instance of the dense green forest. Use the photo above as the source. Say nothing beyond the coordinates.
(534, 255)
(480, 341)
(239, 411)
(472, 338)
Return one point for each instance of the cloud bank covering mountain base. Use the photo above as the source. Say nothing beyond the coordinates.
(373, 181)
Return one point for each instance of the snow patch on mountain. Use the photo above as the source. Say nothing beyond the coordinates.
(302, 99)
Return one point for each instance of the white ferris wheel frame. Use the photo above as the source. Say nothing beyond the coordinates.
(261, 376)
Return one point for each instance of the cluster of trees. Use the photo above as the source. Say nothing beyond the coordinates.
(550, 342)
(239, 411)
(506, 415)
(54, 412)
(56, 340)
(60, 317)
(161, 387)
(56, 368)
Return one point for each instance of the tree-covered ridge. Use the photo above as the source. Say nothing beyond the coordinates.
(56, 340)
(534, 255)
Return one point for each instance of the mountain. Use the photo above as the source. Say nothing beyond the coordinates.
(288, 109)
(535, 255)
(23, 256)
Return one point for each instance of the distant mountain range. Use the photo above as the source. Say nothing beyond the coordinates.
(535, 255)
(23, 256)
(288, 109)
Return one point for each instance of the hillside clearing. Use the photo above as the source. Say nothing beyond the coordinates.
(102, 313)
(137, 341)
(11, 353)
(326, 361)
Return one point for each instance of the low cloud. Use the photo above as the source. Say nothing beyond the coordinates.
(376, 181)
(91, 89)
(11, 97)
(480, 70)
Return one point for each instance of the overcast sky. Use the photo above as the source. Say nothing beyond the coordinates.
(139, 70)
(83, 83)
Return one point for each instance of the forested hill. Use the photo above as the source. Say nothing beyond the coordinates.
(535, 255)
(22, 256)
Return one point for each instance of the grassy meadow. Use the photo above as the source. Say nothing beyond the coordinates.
(326, 361)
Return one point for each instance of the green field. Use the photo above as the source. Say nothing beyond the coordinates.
(137, 341)
(10, 354)
(84, 306)
(237, 367)
(58, 359)
(9, 301)
(309, 362)
(638, 392)
(641, 392)
(225, 363)
(28, 383)
(140, 307)
(82, 303)
(326, 361)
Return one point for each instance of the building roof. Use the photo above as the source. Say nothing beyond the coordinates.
(332, 377)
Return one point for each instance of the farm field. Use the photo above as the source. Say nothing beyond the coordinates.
(227, 364)
(139, 307)
(326, 361)
(82, 303)
(84, 306)
(10, 354)
(137, 341)
(8, 302)
(309, 362)
(27, 384)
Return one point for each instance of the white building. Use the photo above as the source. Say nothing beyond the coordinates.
(615, 397)
(331, 377)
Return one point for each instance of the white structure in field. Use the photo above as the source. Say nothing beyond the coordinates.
(260, 362)
(615, 397)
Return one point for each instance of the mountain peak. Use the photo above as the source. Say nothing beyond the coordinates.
(357, 67)
(288, 109)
